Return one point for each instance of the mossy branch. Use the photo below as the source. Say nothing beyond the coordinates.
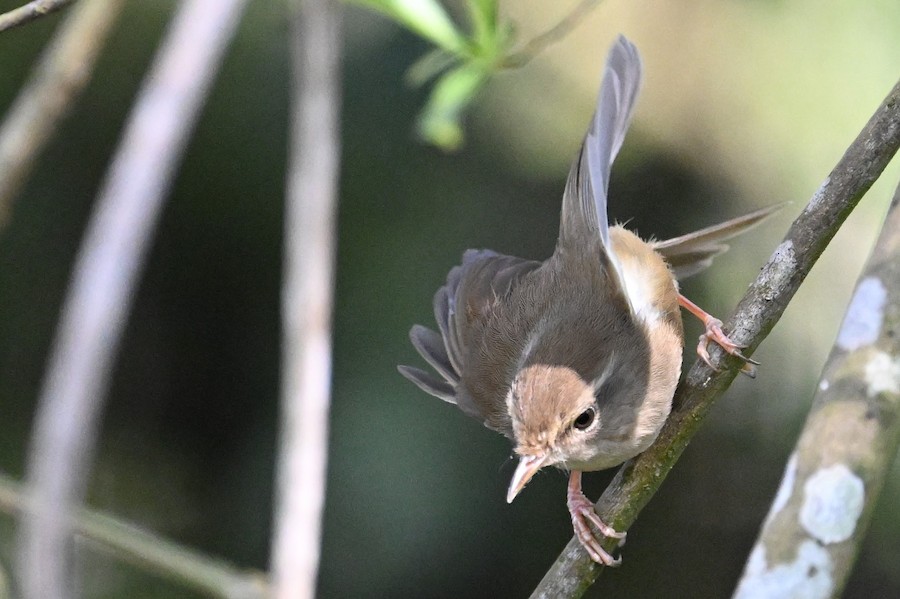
(756, 314)
(821, 512)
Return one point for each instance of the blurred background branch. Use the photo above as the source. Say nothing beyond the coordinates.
(755, 316)
(155, 554)
(58, 79)
(821, 513)
(29, 12)
(102, 285)
(307, 296)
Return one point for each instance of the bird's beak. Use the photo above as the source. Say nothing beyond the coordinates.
(528, 466)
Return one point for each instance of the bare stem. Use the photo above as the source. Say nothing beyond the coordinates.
(151, 552)
(538, 44)
(31, 11)
(762, 306)
(309, 243)
(64, 70)
(103, 283)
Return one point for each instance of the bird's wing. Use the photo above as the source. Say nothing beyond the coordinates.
(474, 291)
(584, 215)
(694, 252)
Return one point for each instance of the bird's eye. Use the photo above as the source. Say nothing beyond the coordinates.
(585, 419)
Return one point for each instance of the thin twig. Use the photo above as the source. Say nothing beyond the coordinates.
(64, 70)
(103, 283)
(30, 12)
(822, 510)
(538, 44)
(306, 300)
(639, 479)
(151, 552)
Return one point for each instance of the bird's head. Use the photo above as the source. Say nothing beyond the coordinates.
(589, 418)
(556, 419)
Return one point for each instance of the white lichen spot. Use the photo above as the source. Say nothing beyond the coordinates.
(832, 502)
(823, 385)
(864, 316)
(882, 374)
(781, 265)
(813, 204)
(786, 488)
(807, 577)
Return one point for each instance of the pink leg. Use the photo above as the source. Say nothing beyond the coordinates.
(583, 515)
(714, 333)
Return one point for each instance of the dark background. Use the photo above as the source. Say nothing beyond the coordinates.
(744, 104)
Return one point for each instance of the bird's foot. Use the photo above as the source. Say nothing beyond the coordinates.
(713, 333)
(583, 516)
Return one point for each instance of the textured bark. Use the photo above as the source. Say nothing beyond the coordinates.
(821, 512)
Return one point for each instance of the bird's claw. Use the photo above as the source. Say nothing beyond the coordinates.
(714, 333)
(583, 515)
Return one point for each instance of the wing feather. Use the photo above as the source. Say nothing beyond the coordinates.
(694, 252)
(584, 212)
(462, 308)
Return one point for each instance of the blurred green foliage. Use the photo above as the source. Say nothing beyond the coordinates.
(461, 62)
(416, 490)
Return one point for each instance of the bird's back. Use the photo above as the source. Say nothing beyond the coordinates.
(498, 314)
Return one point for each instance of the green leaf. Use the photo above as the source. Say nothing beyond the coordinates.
(426, 18)
(439, 122)
(484, 19)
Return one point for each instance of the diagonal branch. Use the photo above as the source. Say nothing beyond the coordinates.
(62, 73)
(756, 314)
(822, 509)
(103, 282)
(31, 11)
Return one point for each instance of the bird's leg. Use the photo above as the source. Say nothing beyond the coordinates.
(583, 515)
(714, 332)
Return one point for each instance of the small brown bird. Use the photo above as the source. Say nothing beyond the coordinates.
(575, 358)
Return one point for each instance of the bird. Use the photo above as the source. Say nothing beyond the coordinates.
(576, 358)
